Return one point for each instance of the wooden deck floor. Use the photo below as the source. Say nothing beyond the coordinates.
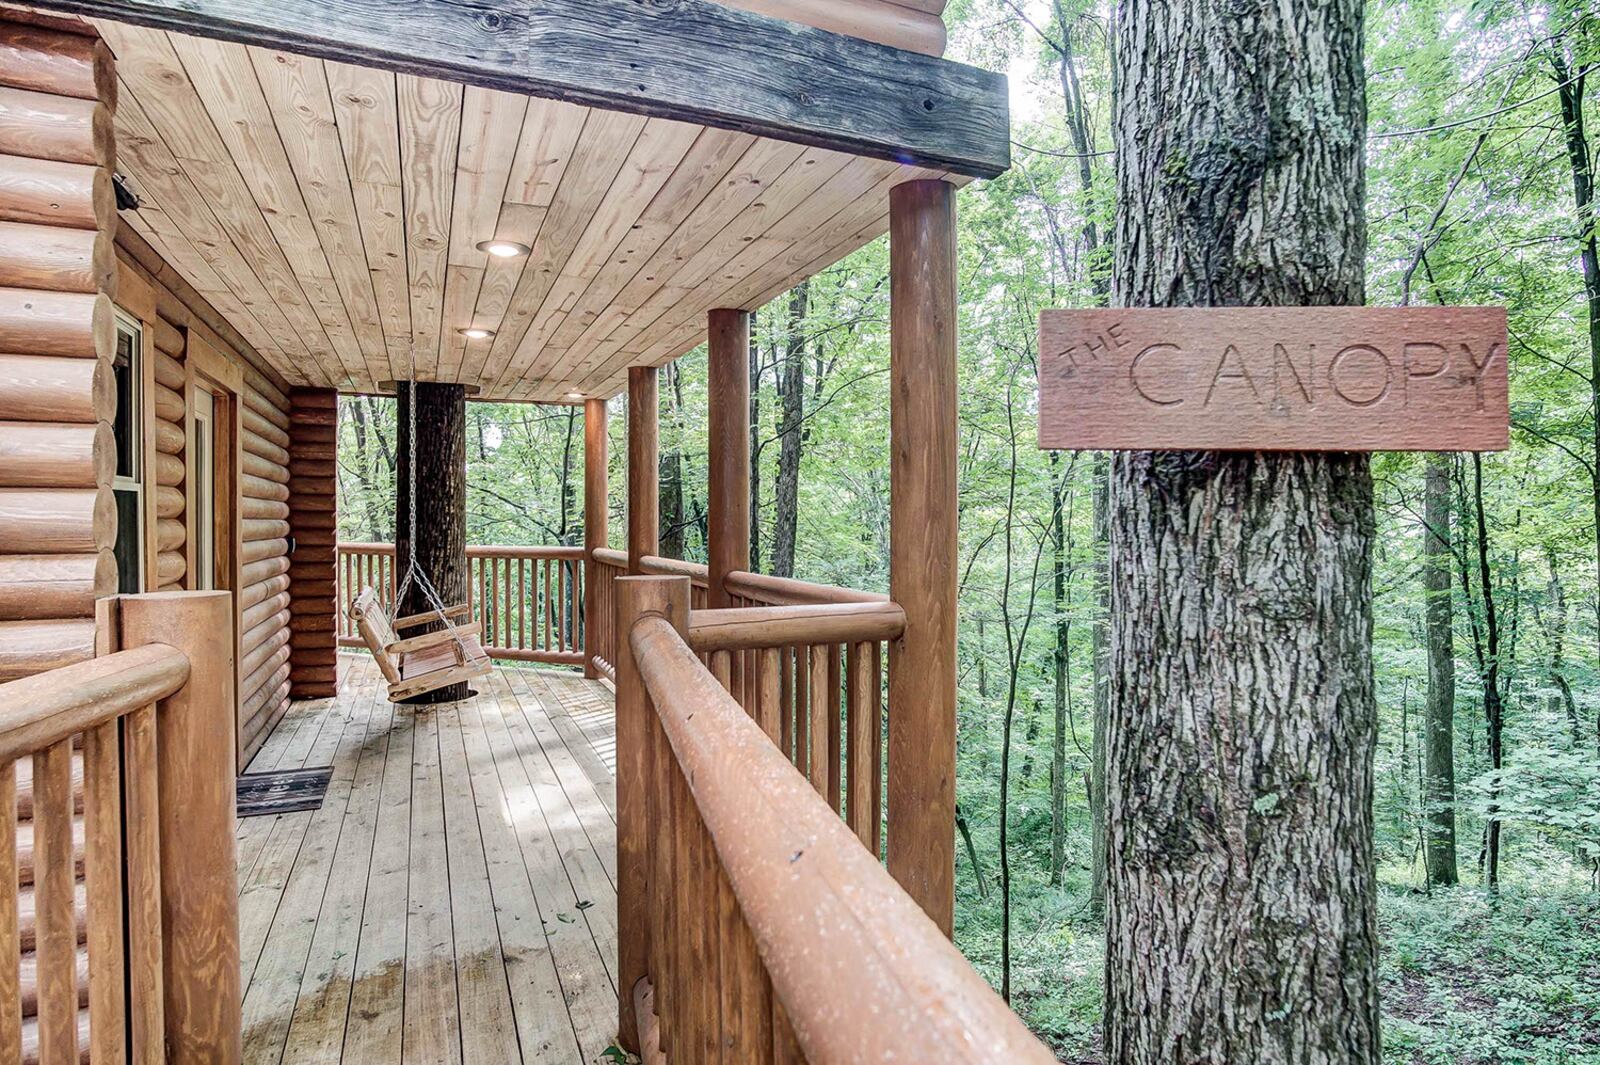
(453, 900)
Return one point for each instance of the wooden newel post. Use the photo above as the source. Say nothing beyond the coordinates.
(644, 491)
(596, 514)
(921, 795)
(728, 449)
(195, 770)
(637, 597)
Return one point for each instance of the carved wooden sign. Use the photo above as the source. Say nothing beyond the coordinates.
(1274, 379)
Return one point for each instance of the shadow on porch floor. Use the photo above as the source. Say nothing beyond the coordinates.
(454, 898)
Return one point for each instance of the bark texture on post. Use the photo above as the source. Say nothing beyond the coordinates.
(441, 547)
(921, 791)
(596, 517)
(1240, 919)
(1438, 752)
(728, 449)
(644, 489)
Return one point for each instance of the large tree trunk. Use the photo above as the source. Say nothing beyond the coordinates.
(1240, 901)
(441, 526)
(1438, 748)
(791, 433)
(1102, 683)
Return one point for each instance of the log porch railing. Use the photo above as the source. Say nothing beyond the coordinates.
(530, 599)
(117, 823)
(754, 925)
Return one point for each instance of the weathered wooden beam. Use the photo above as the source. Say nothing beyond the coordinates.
(691, 60)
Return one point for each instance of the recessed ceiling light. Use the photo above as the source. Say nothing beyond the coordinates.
(474, 333)
(504, 249)
(574, 395)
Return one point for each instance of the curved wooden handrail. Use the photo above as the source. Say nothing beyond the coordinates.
(610, 556)
(46, 708)
(560, 551)
(659, 566)
(861, 971)
(738, 628)
(785, 591)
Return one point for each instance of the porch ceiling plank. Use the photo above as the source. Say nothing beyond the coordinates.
(690, 60)
(152, 74)
(430, 131)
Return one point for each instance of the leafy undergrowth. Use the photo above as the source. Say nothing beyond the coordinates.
(1468, 979)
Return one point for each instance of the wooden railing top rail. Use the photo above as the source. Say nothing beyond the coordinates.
(861, 971)
(738, 628)
(610, 556)
(46, 708)
(560, 551)
(785, 591)
(659, 566)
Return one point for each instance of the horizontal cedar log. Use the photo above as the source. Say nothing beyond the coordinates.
(169, 437)
(531, 551)
(168, 403)
(828, 90)
(168, 469)
(256, 466)
(54, 586)
(315, 417)
(29, 647)
(56, 455)
(322, 622)
(168, 371)
(871, 20)
(59, 258)
(262, 590)
(75, 324)
(738, 628)
(532, 654)
(261, 396)
(268, 389)
(170, 567)
(672, 567)
(66, 129)
(315, 527)
(45, 521)
(610, 556)
(264, 529)
(311, 596)
(258, 445)
(305, 555)
(271, 673)
(254, 422)
(40, 388)
(250, 507)
(170, 534)
(56, 194)
(253, 615)
(168, 338)
(48, 60)
(307, 501)
(169, 502)
(262, 708)
(267, 568)
(275, 640)
(314, 399)
(783, 591)
(256, 550)
(261, 488)
(313, 651)
(309, 468)
(311, 674)
(315, 450)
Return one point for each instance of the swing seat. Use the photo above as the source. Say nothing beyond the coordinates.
(419, 664)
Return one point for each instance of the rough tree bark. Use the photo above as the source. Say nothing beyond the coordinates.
(1438, 749)
(755, 443)
(791, 433)
(1240, 901)
(441, 545)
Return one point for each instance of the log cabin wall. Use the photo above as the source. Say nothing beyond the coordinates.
(57, 333)
(313, 428)
(181, 321)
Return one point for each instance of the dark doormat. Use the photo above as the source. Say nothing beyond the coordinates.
(283, 791)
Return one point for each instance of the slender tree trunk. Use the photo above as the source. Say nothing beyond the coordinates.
(441, 547)
(1439, 773)
(1489, 671)
(755, 444)
(1556, 596)
(791, 433)
(1102, 683)
(1058, 741)
(362, 466)
(1581, 161)
(670, 464)
(1240, 889)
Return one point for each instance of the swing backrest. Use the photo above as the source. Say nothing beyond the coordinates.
(375, 629)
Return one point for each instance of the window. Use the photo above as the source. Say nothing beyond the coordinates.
(128, 485)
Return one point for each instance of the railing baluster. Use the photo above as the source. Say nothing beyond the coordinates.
(10, 931)
(835, 727)
(102, 817)
(786, 701)
(141, 796)
(54, 880)
(823, 706)
(862, 736)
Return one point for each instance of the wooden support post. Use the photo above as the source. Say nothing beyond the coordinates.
(644, 492)
(195, 778)
(637, 597)
(596, 515)
(728, 450)
(922, 543)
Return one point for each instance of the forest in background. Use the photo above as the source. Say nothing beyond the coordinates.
(1486, 599)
